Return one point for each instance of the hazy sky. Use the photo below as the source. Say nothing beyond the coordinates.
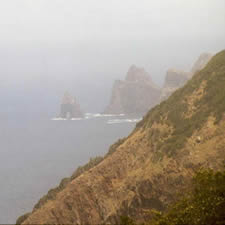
(54, 21)
(66, 43)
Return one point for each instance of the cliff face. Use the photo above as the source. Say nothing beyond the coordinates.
(177, 78)
(147, 169)
(69, 108)
(136, 94)
(174, 79)
(200, 63)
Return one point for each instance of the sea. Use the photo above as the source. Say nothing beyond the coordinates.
(36, 153)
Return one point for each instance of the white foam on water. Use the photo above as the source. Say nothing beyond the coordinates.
(77, 118)
(90, 116)
(116, 121)
(96, 115)
(58, 118)
(111, 115)
(62, 119)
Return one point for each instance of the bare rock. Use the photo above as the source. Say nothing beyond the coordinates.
(69, 107)
(201, 62)
(136, 94)
(174, 80)
(177, 78)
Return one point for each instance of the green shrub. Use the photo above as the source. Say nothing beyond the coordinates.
(22, 218)
(205, 204)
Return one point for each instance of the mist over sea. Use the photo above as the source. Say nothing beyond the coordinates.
(36, 152)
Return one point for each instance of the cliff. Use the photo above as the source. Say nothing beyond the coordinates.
(69, 107)
(174, 79)
(201, 62)
(156, 161)
(136, 94)
(177, 78)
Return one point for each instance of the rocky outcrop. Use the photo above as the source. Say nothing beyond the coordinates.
(136, 94)
(174, 80)
(154, 163)
(177, 78)
(200, 63)
(69, 108)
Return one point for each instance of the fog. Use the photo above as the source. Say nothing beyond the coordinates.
(50, 46)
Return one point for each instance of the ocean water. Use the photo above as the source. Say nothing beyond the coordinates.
(35, 154)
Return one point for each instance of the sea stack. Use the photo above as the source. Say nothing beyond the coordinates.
(135, 95)
(69, 107)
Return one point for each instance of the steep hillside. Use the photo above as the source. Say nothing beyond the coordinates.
(156, 161)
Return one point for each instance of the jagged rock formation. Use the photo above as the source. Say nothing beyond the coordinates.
(69, 108)
(177, 78)
(136, 94)
(156, 161)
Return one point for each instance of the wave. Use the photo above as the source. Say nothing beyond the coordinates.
(59, 118)
(116, 121)
(90, 116)
(95, 115)
(77, 118)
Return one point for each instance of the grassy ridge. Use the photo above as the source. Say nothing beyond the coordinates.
(173, 110)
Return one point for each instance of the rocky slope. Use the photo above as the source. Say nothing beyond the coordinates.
(69, 107)
(136, 94)
(156, 161)
(177, 78)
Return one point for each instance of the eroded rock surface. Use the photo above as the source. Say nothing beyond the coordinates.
(136, 94)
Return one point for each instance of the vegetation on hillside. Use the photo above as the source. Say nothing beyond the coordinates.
(80, 170)
(205, 204)
(173, 110)
(22, 218)
(52, 193)
(208, 186)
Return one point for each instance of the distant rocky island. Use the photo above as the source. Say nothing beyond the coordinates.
(69, 107)
(138, 93)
